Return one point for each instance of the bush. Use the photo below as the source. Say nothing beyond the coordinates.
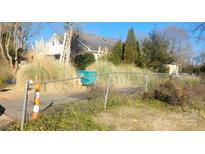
(194, 69)
(202, 68)
(169, 92)
(82, 61)
(95, 91)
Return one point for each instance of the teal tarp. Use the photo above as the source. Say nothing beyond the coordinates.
(87, 77)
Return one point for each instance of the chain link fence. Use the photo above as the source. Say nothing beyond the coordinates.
(71, 90)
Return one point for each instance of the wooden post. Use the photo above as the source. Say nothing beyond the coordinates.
(24, 111)
(107, 91)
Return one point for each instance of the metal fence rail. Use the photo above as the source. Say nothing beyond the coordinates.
(70, 90)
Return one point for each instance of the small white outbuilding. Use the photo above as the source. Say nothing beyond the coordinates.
(173, 69)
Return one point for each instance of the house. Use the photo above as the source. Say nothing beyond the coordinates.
(82, 42)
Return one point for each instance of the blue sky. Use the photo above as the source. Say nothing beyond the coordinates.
(116, 30)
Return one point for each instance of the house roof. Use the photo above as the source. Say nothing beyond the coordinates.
(94, 41)
(59, 36)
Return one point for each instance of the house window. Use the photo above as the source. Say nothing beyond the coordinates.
(53, 43)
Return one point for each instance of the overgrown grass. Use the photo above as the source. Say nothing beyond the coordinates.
(75, 116)
(66, 117)
(81, 116)
(42, 69)
(122, 75)
(69, 117)
(106, 67)
(190, 88)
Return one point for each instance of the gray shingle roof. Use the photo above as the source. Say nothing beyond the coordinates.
(60, 36)
(94, 41)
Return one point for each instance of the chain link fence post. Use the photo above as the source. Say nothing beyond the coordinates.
(146, 82)
(24, 109)
(107, 91)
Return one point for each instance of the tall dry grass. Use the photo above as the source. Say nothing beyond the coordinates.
(123, 75)
(106, 67)
(132, 76)
(43, 68)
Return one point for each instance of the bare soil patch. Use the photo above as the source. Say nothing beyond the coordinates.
(148, 119)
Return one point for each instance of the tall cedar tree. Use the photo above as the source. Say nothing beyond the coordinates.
(116, 53)
(131, 51)
(155, 52)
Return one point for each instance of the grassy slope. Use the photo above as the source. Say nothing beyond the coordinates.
(151, 115)
(76, 116)
(123, 113)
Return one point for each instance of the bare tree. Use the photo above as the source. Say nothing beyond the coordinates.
(28, 31)
(202, 57)
(179, 44)
(198, 29)
(8, 41)
(13, 39)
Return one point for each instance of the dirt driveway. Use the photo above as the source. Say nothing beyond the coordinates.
(12, 101)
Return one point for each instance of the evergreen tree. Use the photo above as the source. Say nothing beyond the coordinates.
(138, 61)
(155, 52)
(131, 51)
(82, 61)
(116, 53)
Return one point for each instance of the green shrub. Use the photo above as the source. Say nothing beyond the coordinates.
(187, 69)
(82, 61)
(202, 68)
(196, 70)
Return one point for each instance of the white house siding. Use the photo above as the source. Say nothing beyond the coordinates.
(55, 46)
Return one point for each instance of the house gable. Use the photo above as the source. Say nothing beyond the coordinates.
(55, 45)
(82, 42)
(56, 38)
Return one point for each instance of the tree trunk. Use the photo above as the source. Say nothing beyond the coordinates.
(9, 57)
(2, 51)
(69, 45)
(16, 62)
(1, 46)
(7, 51)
